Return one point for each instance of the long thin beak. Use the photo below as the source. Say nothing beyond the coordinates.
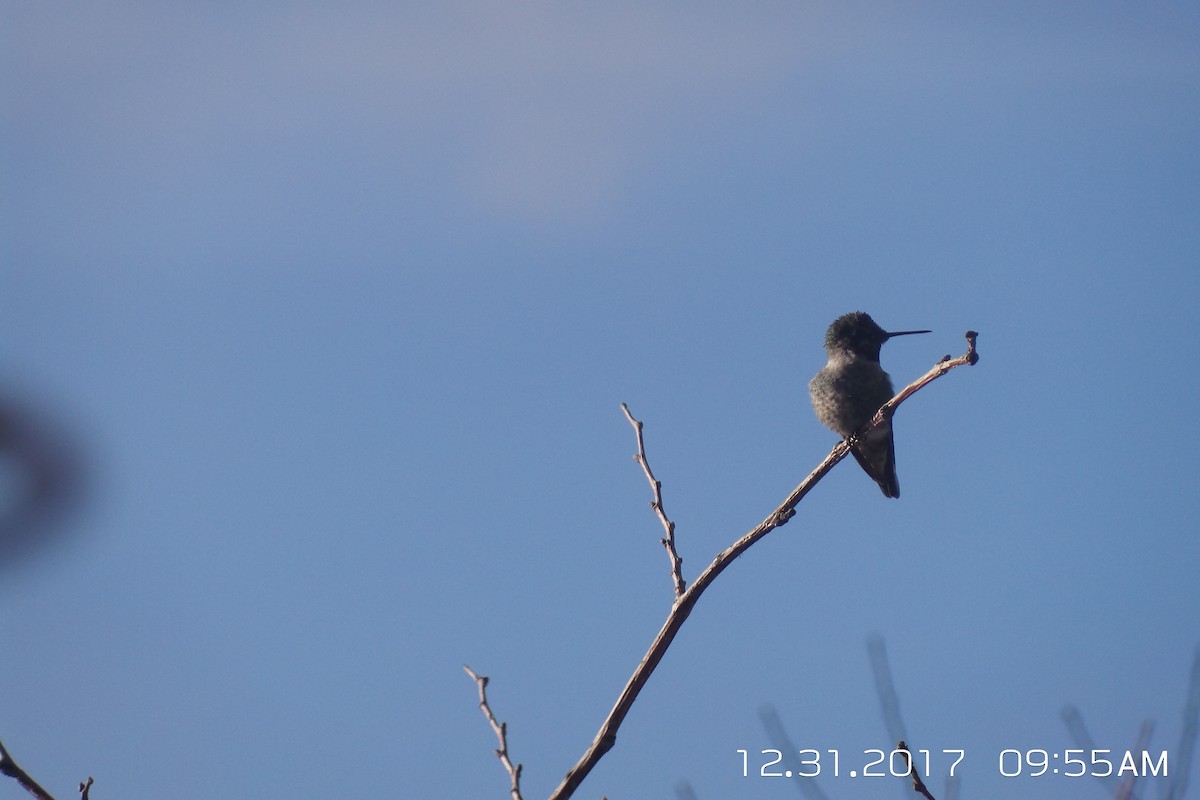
(904, 333)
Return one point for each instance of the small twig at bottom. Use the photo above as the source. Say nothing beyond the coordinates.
(501, 730)
(918, 784)
(85, 788)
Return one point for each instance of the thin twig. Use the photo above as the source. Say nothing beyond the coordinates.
(85, 788)
(10, 768)
(501, 729)
(668, 541)
(918, 784)
(606, 737)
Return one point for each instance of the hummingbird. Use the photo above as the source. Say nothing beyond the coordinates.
(848, 391)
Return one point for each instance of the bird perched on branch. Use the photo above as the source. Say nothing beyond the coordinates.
(849, 389)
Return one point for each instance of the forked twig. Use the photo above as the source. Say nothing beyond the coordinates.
(501, 729)
(668, 541)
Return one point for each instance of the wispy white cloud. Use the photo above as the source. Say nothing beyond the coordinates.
(546, 109)
(533, 110)
(530, 109)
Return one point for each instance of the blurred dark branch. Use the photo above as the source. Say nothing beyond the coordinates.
(1084, 741)
(1187, 737)
(777, 735)
(1125, 790)
(1076, 727)
(684, 791)
(885, 688)
(44, 477)
(889, 703)
(668, 541)
(10, 768)
(44, 468)
(1183, 755)
(888, 699)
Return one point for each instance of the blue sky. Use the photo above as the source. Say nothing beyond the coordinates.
(334, 307)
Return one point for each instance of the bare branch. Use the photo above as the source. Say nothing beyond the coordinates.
(85, 788)
(668, 541)
(10, 768)
(918, 784)
(969, 358)
(606, 737)
(501, 730)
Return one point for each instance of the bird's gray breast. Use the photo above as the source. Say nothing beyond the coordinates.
(847, 392)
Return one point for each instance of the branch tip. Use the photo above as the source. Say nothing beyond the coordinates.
(656, 504)
(501, 731)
